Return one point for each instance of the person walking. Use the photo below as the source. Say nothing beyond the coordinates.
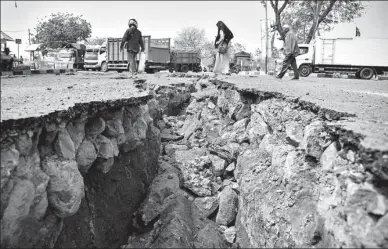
(133, 41)
(224, 36)
(291, 50)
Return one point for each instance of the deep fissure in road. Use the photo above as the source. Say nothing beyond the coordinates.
(196, 165)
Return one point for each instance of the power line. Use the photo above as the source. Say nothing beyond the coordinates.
(15, 31)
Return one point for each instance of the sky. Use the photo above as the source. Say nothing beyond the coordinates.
(164, 19)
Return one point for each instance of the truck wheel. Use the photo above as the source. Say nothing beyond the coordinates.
(104, 67)
(367, 73)
(184, 68)
(304, 70)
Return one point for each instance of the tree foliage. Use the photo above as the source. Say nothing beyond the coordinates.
(62, 28)
(191, 37)
(308, 17)
(238, 47)
(96, 41)
(208, 50)
(257, 54)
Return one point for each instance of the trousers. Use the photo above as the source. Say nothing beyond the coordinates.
(289, 60)
(132, 61)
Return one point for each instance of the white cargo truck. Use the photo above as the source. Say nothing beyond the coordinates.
(363, 57)
(95, 58)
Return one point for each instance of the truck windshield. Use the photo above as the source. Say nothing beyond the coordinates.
(91, 56)
(303, 50)
(65, 55)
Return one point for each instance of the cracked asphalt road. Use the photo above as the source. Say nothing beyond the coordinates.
(37, 95)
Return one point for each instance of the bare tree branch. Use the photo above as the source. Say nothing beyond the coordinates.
(273, 5)
(283, 6)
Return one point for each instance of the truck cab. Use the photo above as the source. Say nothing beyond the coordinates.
(95, 58)
(304, 60)
(72, 53)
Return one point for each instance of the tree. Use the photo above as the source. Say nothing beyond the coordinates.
(62, 28)
(278, 9)
(96, 41)
(238, 47)
(208, 50)
(190, 37)
(309, 17)
(257, 55)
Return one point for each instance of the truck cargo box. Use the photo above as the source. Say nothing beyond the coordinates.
(159, 55)
(185, 56)
(159, 51)
(185, 60)
(119, 60)
(355, 51)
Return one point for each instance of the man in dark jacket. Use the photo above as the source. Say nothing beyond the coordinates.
(6, 60)
(291, 50)
(133, 41)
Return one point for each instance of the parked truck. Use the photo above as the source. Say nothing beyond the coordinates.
(159, 56)
(71, 54)
(363, 57)
(184, 60)
(242, 61)
(157, 53)
(95, 58)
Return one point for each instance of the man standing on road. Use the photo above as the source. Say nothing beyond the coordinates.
(291, 50)
(133, 40)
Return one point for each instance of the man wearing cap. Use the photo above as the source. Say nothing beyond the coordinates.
(133, 41)
(6, 60)
(291, 50)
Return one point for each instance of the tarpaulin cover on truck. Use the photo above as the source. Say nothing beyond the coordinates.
(191, 51)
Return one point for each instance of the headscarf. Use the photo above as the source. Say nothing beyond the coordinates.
(132, 21)
(228, 35)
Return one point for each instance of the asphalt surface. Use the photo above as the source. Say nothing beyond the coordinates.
(36, 95)
(367, 99)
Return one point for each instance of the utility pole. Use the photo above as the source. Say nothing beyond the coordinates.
(266, 38)
(29, 37)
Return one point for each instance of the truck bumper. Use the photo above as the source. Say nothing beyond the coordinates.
(91, 66)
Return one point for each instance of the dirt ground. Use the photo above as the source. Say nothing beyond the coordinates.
(36, 95)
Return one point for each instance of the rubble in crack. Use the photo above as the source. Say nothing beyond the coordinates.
(259, 172)
(47, 174)
(194, 165)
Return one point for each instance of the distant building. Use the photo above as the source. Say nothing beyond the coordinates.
(4, 39)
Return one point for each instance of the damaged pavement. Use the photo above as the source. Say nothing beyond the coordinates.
(215, 162)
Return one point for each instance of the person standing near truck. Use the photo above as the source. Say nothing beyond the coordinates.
(291, 50)
(224, 35)
(133, 41)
